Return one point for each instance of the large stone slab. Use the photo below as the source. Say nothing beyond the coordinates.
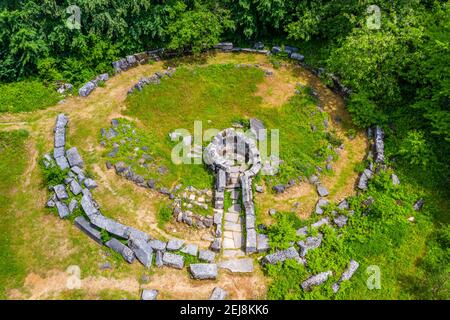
(88, 206)
(158, 245)
(174, 244)
(61, 121)
(122, 249)
(86, 89)
(173, 260)
(142, 250)
(74, 158)
(315, 280)
(60, 137)
(85, 226)
(191, 249)
(207, 256)
(63, 210)
(60, 192)
(62, 163)
(309, 244)
(262, 241)
(237, 265)
(75, 187)
(282, 255)
(109, 225)
(250, 241)
(203, 271)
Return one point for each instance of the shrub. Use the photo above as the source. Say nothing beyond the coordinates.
(53, 175)
(283, 232)
(415, 149)
(164, 215)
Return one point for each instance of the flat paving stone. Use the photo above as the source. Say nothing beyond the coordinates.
(228, 244)
(237, 238)
(230, 226)
(228, 234)
(232, 217)
(233, 253)
(238, 265)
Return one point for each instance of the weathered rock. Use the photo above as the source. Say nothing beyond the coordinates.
(303, 231)
(85, 226)
(142, 250)
(88, 206)
(309, 244)
(346, 275)
(90, 183)
(60, 137)
(290, 49)
(110, 225)
(122, 249)
(73, 205)
(158, 245)
(395, 179)
(151, 183)
(86, 89)
(237, 265)
(75, 187)
(379, 145)
(250, 243)
(173, 260)
(61, 121)
(174, 244)
(191, 249)
(322, 191)
(297, 56)
(216, 245)
(418, 205)
(207, 255)
(320, 205)
(58, 152)
(218, 294)
(149, 294)
(60, 192)
(276, 49)
(280, 188)
(321, 222)
(281, 256)
(225, 46)
(262, 242)
(340, 221)
(62, 163)
(159, 259)
(203, 271)
(259, 189)
(315, 280)
(343, 205)
(74, 157)
(63, 210)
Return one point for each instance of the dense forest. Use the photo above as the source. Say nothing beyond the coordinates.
(399, 73)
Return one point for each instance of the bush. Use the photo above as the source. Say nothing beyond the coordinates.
(364, 111)
(283, 232)
(415, 149)
(164, 215)
(53, 175)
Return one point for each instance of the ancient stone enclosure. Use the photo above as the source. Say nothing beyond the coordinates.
(234, 160)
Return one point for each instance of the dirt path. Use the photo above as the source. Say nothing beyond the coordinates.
(88, 115)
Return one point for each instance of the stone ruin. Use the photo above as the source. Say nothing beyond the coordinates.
(235, 160)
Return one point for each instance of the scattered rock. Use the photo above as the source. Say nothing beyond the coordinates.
(218, 294)
(341, 220)
(309, 244)
(315, 280)
(418, 205)
(191, 249)
(395, 179)
(120, 248)
(90, 184)
(346, 275)
(322, 191)
(173, 260)
(203, 271)
(174, 244)
(74, 157)
(280, 188)
(320, 205)
(207, 255)
(149, 294)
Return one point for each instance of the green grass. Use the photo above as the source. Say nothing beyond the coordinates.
(218, 95)
(26, 96)
(164, 215)
(12, 166)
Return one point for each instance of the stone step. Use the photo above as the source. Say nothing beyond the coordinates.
(232, 217)
(237, 265)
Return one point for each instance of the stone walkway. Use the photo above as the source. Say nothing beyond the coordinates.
(233, 243)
